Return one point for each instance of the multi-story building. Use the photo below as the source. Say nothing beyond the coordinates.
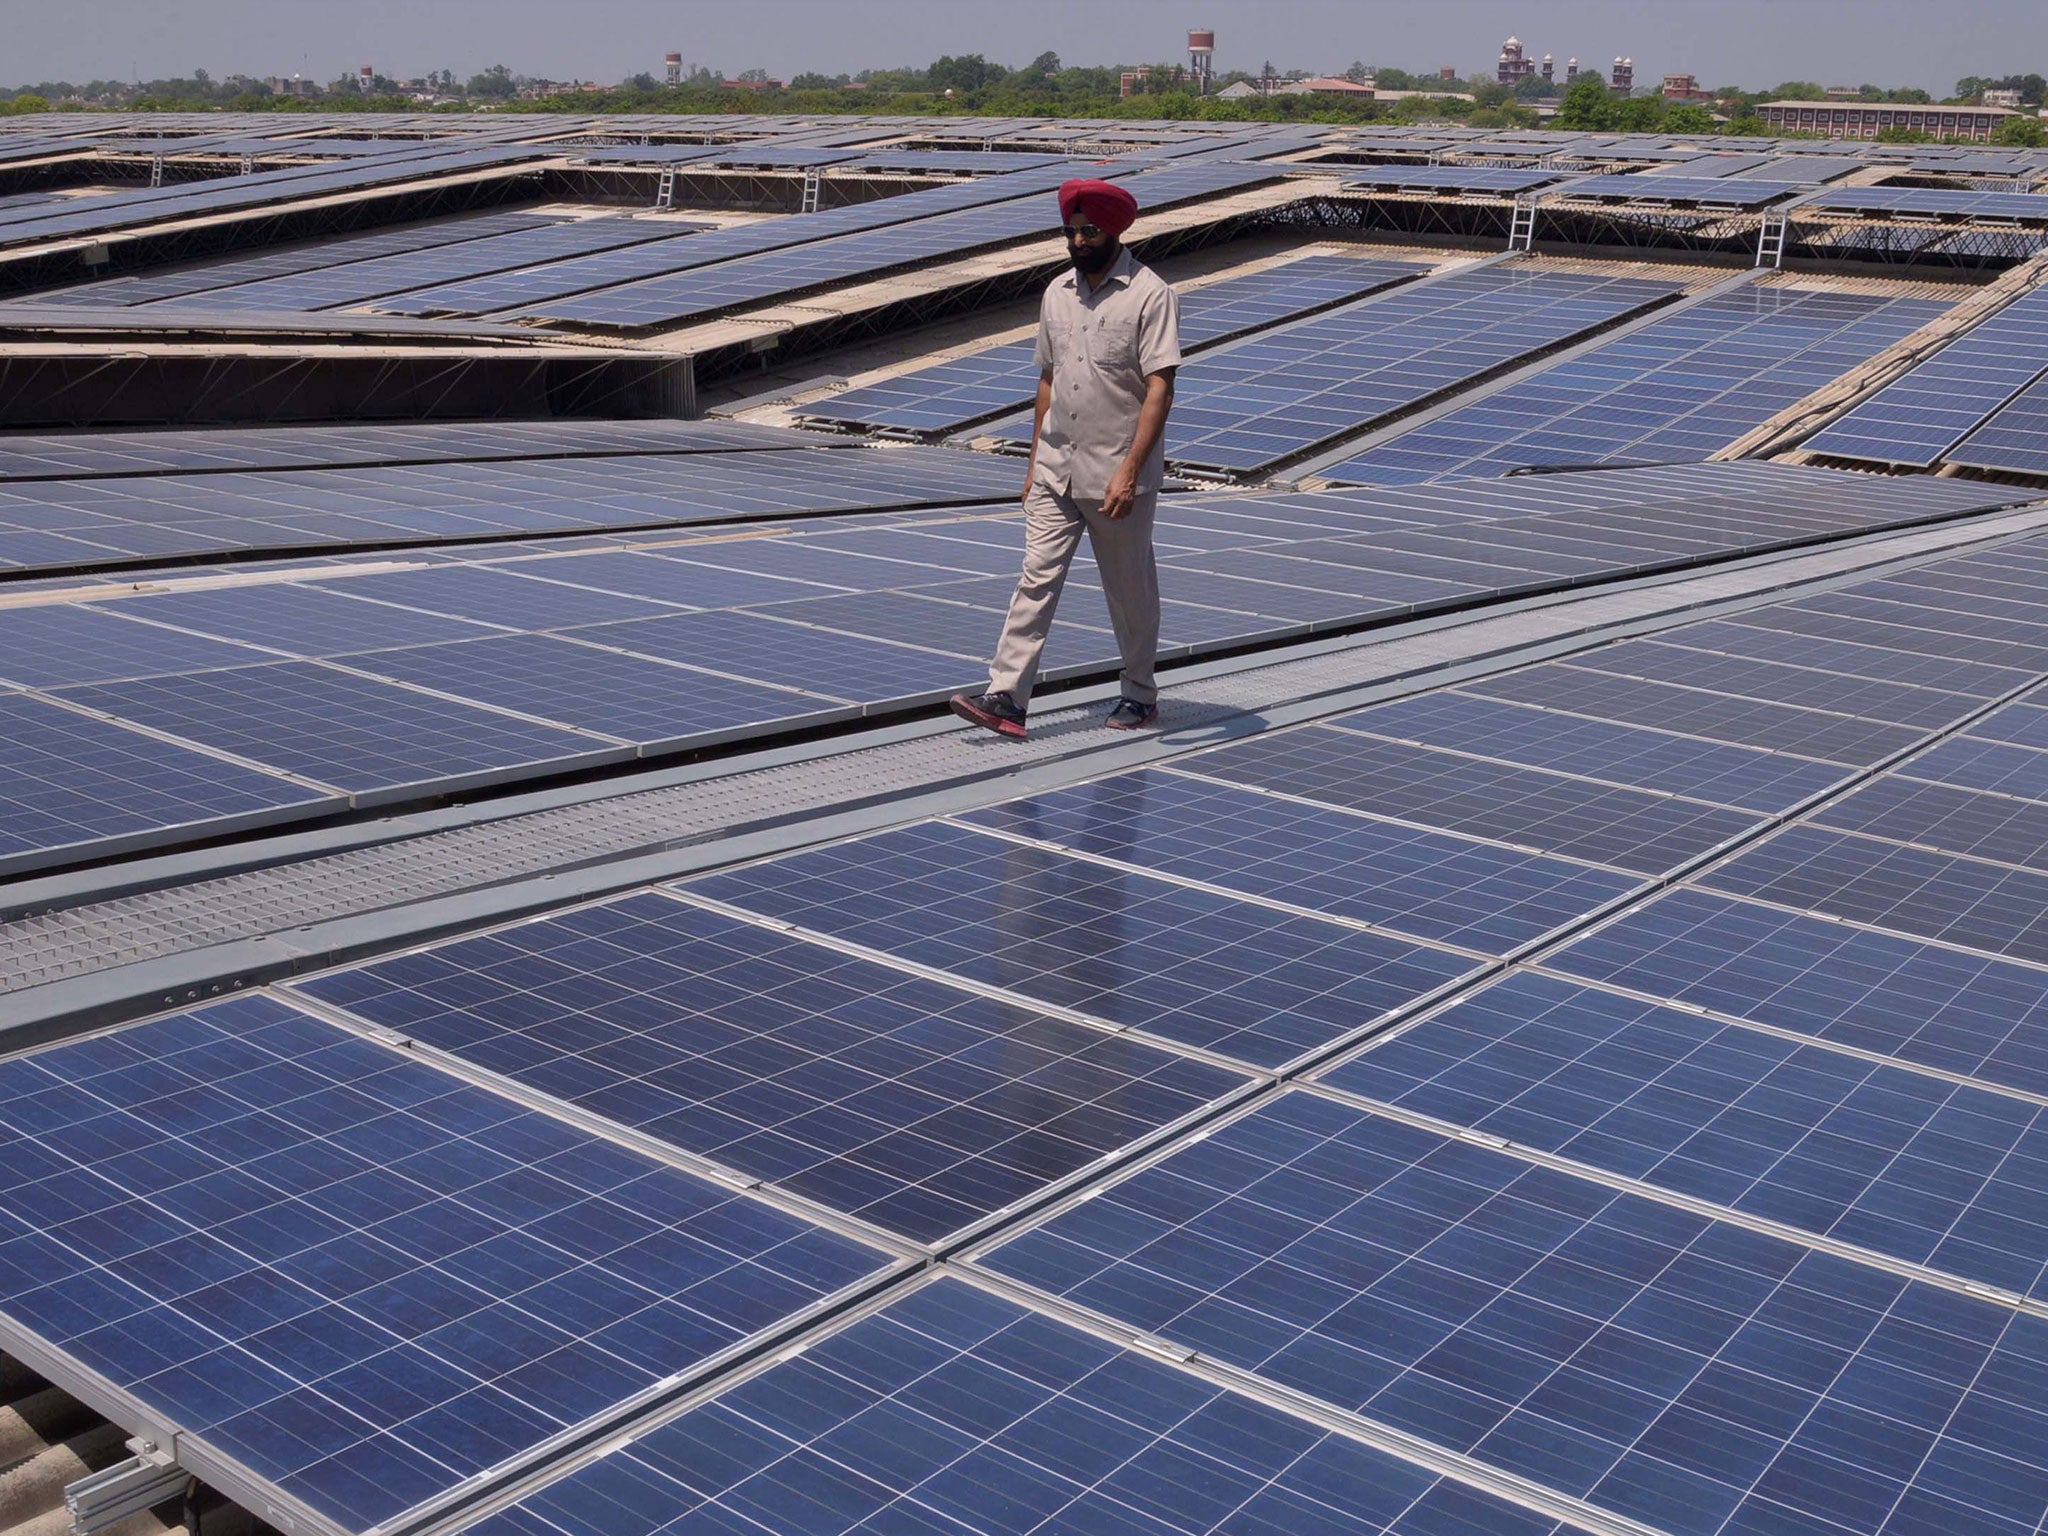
(1515, 65)
(1684, 88)
(1998, 98)
(1623, 80)
(1866, 120)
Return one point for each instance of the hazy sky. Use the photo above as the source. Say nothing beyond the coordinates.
(1752, 42)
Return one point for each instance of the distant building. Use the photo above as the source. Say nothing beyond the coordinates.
(1843, 93)
(1623, 80)
(1866, 120)
(1237, 90)
(1515, 66)
(1393, 96)
(1997, 98)
(1684, 88)
(1329, 85)
(1447, 71)
(1549, 70)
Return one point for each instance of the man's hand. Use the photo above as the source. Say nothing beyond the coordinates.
(1122, 494)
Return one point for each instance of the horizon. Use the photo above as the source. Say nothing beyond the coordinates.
(1754, 44)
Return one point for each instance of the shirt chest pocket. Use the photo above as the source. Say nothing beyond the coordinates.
(1113, 341)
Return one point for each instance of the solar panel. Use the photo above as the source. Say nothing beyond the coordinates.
(96, 454)
(951, 395)
(313, 257)
(1902, 1163)
(558, 280)
(360, 281)
(1682, 190)
(675, 297)
(1653, 1362)
(367, 738)
(1679, 388)
(1938, 202)
(2014, 438)
(1926, 1004)
(1505, 180)
(71, 783)
(910, 1104)
(1281, 395)
(361, 1279)
(954, 1405)
(92, 523)
(119, 210)
(1919, 416)
(1181, 964)
(1403, 879)
(956, 161)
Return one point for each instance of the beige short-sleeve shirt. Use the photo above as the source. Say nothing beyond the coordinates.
(1099, 346)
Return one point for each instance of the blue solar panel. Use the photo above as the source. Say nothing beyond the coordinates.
(1680, 388)
(68, 523)
(1427, 885)
(1682, 190)
(1449, 178)
(852, 669)
(365, 737)
(947, 396)
(1903, 1163)
(1183, 964)
(954, 1409)
(1939, 202)
(1688, 1373)
(54, 644)
(2015, 438)
(676, 297)
(69, 783)
(145, 288)
(1923, 1003)
(1745, 778)
(566, 682)
(356, 282)
(1917, 418)
(1278, 396)
(362, 1279)
(556, 280)
(910, 1104)
(1558, 813)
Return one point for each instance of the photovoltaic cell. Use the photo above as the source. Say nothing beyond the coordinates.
(1190, 967)
(1449, 178)
(1917, 418)
(353, 733)
(1428, 885)
(362, 1279)
(70, 782)
(2014, 439)
(1685, 1372)
(905, 1102)
(1681, 190)
(1630, 829)
(953, 1405)
(1936, 201)
(1277, 396)
(1931, 1005)
(1679, 388)
(951, 395)
(1902, 1163)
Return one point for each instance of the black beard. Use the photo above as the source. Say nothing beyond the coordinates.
(1091, 260)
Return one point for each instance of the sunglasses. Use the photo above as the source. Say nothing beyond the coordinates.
(1081, 232)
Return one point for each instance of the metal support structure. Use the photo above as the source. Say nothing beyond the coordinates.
(248, 166)
(812, 186)
(148, 1478)
(665, 193)
(156, 170)
(1522, 232)
(1770, 239)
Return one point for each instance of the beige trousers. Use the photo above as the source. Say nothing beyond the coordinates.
(1130, 581)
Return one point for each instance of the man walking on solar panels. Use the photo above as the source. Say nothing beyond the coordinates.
(1108, 345)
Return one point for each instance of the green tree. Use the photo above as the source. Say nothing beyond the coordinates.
(1047, 63)
(1639, 114)
(1795, 90)
(29, 101)
(1587, 105)
(1688, 118)
(496, 83)
(2021, 133)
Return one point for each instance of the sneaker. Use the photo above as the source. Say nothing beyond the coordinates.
(1130, 715)
(993, 711)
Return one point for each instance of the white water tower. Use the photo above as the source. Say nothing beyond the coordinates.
(1202, 58)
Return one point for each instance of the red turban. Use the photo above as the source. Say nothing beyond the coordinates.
(1108, 207)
